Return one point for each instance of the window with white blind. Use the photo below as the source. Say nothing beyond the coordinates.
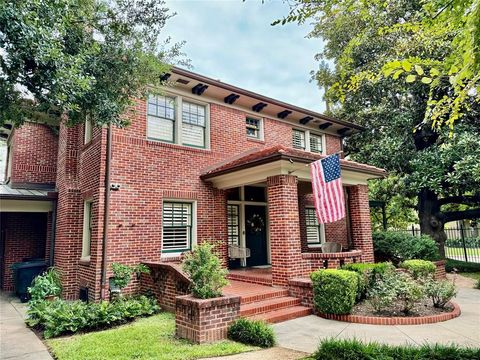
(315, 231)
(298, 139)
(161, 118)
(177, 226)
(233, 224)
(193, 124)
(316, 143)
(87, 229)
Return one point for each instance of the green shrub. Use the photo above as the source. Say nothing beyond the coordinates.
(419, 269)
(333, 349)
(477, 284)
(409, 291)
(383, 293)
(205, 271)
(467, 242)
(252, 332)
(461, 266)
(47, 284)
(368, 275)
(334, 291)
(400, 246)
(440, 292)
(122, 274)
(63, 317)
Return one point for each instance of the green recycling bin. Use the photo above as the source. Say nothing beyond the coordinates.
(23, 275)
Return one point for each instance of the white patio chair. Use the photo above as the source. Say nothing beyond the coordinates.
(331, 247)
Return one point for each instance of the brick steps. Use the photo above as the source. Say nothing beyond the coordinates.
(284, 314)
(268, 305)
(250, 279)
(275, 293)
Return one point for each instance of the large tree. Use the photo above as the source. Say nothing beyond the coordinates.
(373, 67)
(79, 58)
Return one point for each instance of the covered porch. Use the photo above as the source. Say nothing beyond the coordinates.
(271, 221)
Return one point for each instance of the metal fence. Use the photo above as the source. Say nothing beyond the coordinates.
(463, 243)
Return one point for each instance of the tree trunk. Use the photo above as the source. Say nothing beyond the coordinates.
(432, 221)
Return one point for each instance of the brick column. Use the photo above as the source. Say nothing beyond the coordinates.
(284, 228)
(361, 227)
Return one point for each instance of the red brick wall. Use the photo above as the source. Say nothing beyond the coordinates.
(34, 154)
(24, 237)
(361, 227)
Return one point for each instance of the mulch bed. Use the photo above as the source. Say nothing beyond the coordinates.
(424, 308)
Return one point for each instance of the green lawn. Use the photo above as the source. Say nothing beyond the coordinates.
(460, 251)
(148, 338)
(473, 275)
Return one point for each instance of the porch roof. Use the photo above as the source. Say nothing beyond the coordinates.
(289, 161)
(26, 200)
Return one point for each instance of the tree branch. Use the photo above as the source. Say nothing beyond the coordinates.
(461, 215)
(469, 200)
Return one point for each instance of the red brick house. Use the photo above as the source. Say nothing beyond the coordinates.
(206, 161)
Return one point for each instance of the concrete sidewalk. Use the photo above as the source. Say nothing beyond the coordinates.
(16, 340)
(304, 334)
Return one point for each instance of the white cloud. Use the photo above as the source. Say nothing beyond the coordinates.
(233, 41)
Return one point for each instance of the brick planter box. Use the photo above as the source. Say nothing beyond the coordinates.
(377, 320)
(205, 320)
(440, 273)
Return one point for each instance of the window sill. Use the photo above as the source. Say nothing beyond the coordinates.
(84, 261)
(158, 143)
(260, 141)
(314, 245)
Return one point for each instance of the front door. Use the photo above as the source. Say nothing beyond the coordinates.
(256, 234)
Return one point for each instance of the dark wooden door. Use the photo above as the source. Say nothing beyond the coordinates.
(256, 234)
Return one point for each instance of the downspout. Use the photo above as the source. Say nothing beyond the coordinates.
(53, 230)
(106, 214)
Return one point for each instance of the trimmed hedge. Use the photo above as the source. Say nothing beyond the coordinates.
(252, 332)
(334, 291)
(60, 317)
(333, 349)
(461, 266)
(419, 269)
(400, 246)
(368, 274)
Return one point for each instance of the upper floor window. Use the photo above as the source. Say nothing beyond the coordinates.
(87, 229)
(315, 231)
(161, 118)
(253, 127)
(298, 139)
(193, 124)
(316, 143)
(308, 141)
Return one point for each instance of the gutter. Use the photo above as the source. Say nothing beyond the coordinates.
(106, 214)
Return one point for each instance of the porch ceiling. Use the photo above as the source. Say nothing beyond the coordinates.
(26, 200)
(256, 167)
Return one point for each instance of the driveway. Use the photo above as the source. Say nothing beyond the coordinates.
(16, 340)
(304, 334)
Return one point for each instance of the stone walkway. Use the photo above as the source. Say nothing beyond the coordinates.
(16, 340)
(304, 334)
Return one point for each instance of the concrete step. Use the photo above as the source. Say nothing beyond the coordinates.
(284, 314)
(260, 307)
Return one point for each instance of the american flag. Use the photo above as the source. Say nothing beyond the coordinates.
(327, 189)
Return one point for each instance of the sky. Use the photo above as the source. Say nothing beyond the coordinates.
(233, 41)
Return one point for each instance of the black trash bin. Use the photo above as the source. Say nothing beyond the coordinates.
(23, 275)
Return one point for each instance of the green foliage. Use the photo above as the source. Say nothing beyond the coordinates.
(477, 284)
(80, 58)
(419, 269)
(470, 243)
(47, 284)
(461, 266)
(368, 275)
(334, 349)
(440, 292)
(383, 292)
(400, 246)
(205, 271)
(334, 291)
(63, 317)
(122, 274)
(252, 332)
(409, 291)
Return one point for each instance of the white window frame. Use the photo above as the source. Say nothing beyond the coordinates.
(260, 136)
(87, 131)
(307, 140)
(321, 229)
(177, 131)
(87, 230)
(193, 227)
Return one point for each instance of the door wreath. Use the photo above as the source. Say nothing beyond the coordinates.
(256, 223)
